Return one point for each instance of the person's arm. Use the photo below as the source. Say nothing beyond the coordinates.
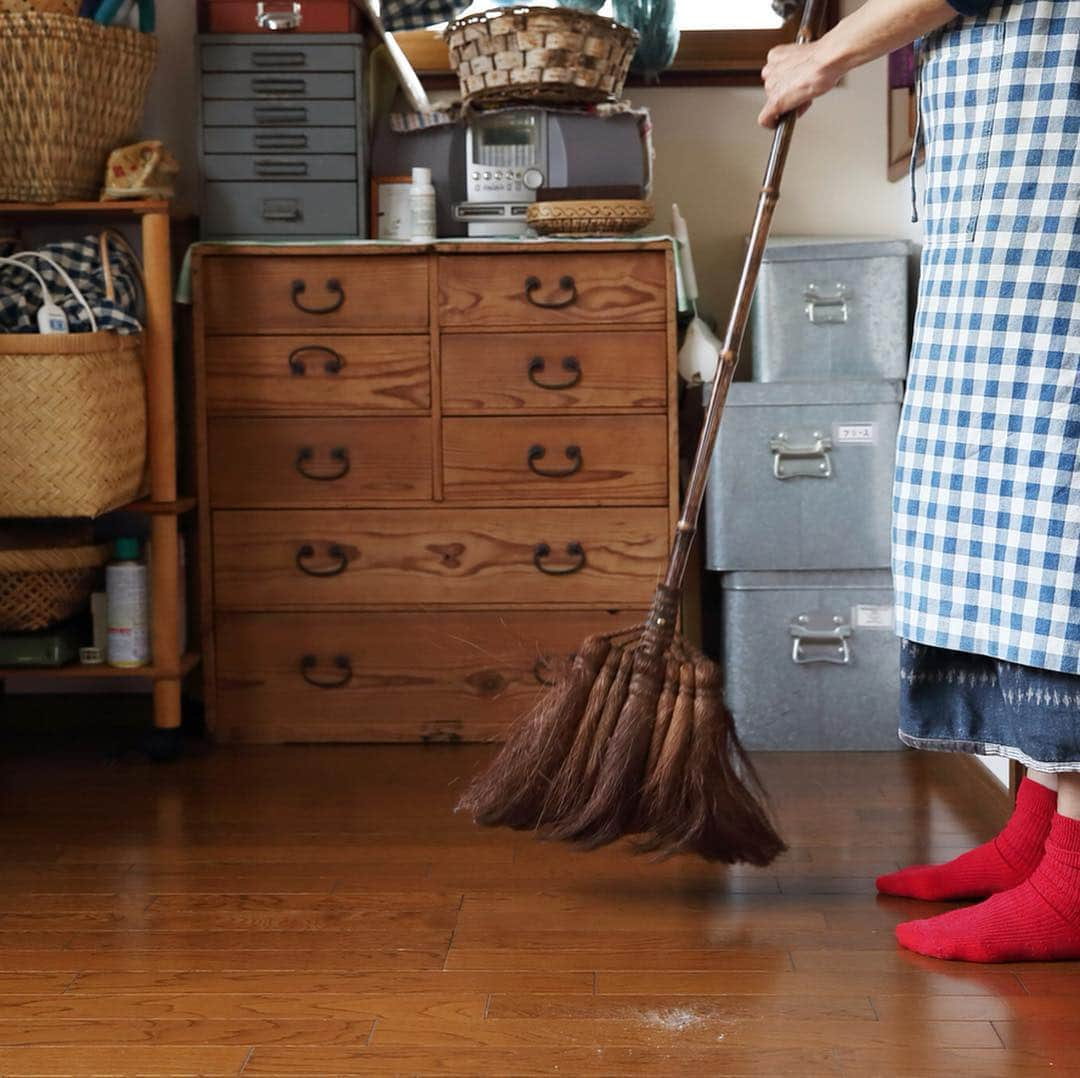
(795, 74)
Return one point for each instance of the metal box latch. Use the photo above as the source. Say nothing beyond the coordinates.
(792, 460)
(278, 16)
(820, 638)
(827, 309)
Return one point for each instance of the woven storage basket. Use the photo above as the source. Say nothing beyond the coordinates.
(590, 217)
(41, 587)
(550, 55)
(70, 93)
(73, 437)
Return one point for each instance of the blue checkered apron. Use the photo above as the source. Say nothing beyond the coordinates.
(986, 525)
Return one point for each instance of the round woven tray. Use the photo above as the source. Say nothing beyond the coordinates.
(542, 55)
(595, 217)
(40, 587)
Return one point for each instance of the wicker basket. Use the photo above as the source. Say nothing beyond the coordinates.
(40, 587)
(51, 7)
(70, 93)
(592, 217)
(544, 55)
(73, 439)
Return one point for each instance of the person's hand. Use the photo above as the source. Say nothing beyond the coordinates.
(794, 75)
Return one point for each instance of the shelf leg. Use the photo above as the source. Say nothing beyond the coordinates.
(160, 387)
(167, 704)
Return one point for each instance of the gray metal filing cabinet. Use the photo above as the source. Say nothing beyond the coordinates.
(831, 308)
(802, 476)
(810, 659)
(282, 136)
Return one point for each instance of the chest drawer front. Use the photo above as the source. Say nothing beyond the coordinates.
(254, 140)
(240, 166)
(315, 294)
(592, 460)
(284, 376)
(553, 289)
(318, 462)
(291, 57)
(536, 372)
(264, 114)
(452, 676)
(574, 557)
(280, 85)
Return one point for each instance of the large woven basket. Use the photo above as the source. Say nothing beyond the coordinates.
(543, 55)
(73, 436)
(70, 93)
(38, 588)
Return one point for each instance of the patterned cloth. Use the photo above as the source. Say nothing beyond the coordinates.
(20, 293)
(416, 14)
(986, 525)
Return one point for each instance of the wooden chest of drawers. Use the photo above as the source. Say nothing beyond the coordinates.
(428, 472)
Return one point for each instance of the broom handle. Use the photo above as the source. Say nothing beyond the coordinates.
(736, 328)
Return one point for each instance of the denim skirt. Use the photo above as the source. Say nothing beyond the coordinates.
(958, 702)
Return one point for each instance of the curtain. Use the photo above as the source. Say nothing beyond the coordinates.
(654, 20)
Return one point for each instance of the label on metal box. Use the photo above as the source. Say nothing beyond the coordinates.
(872, 617)
(855, 433)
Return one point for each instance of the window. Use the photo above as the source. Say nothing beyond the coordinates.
(722, 42)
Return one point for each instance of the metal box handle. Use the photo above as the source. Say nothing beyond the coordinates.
(833, 638)
(810, 461)
(827, 310)
(278, 18)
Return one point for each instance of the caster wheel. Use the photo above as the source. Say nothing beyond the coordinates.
(164, 746)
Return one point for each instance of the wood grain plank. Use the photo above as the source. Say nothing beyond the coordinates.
(122, 1060)
(238, 1032)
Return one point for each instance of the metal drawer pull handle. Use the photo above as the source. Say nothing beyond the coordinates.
(573, 454)
(338, 453)
(270, 167)
(265, 141)
(833, 639)
(809, 461)
(267, 114)
(333, 365)
(333, 286)
(278, 58)
(267, 84)
(281, 19)
(341, 662)
(573, 550)
(308, 551)
(566, 284)
(827, 310)
(569, 364)
(282, 209)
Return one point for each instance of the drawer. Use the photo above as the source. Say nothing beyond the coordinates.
(448, 676)
(294, 86)
(281, 209)
(536, 372)
(284, 114)
(238, 166)
(318, 462)
(553, 289)
(316, 376)
(275, 141)
(315, 294)
(437, 557)
(272, 57)
(571, 460)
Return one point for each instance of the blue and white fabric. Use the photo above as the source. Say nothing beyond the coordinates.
(986, 528)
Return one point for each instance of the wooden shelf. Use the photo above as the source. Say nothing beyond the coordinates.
(136, 207)
(152, 508)
(76, 671)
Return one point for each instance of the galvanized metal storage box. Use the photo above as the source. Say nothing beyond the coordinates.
(810, 659)
(831, 309)
(802, 476)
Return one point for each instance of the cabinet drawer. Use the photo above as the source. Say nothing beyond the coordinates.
(318, 462)
(535, 372)
(284, 114)
(291, 57)
(244, 166)
(593, 460)
(281, 209)
(316, 376)
(576, 557)
(449, 676)
(553, 289)
(232, 140)
(324, 86)
(315, 294)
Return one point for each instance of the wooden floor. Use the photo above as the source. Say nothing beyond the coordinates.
(319, 911)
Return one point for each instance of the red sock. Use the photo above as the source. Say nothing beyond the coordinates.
(1038, 921)
(997, 865)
